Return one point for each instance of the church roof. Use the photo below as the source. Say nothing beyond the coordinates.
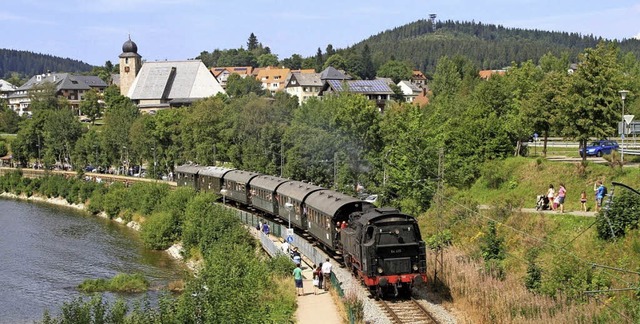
(174, 80)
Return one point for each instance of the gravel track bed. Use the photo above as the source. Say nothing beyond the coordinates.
(373, 314)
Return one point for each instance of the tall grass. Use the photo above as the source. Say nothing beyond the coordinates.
(488, 300)
(122, 282)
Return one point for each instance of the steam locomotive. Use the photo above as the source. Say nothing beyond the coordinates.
(381, 246)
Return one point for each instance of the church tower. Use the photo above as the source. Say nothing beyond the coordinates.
(130, 64)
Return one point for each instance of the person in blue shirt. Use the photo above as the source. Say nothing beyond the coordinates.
(601, 191)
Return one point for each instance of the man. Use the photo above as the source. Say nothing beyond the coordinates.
(297, 278)
(326, 274)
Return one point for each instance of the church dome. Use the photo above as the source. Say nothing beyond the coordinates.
(129, 47)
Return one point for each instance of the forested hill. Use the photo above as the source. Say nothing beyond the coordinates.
(29, 63)
(488, 46)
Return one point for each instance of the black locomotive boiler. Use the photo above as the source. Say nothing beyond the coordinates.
(383, 248)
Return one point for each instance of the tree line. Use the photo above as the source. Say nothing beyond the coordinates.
(26, 63)
(343, 141)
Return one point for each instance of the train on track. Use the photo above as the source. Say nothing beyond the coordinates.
(381, 246)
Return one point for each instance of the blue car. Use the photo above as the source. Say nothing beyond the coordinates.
(600, 148)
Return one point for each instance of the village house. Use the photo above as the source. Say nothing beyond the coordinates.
(303, 85)
(418, 78)
(376, 90)
(6, 89)
(223, 73)
(409, 90)
(68, 86)
(273, 78)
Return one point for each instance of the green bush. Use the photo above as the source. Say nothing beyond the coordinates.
(147, 196)
(159, 231)
(207, 223)
(116, 200)
(3, 148)
(97, 199)
(494, 174)
(623, 215)
(281, 265)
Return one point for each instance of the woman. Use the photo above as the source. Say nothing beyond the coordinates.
(318, 274)
(562, 192)
(551, 193)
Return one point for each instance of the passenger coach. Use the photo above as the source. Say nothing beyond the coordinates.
(263, 189)
(210, 179)
(294, 193)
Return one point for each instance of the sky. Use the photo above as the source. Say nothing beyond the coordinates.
(93, 31)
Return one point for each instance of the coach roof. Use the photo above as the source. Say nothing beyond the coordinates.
(297, 190)
(330, 202)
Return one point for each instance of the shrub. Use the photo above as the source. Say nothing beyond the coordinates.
(355, 307)
(158, 231)
(280, 265)
(147, 196)
(97, 200)
(494, 174)
(116, 200)
(622, 214)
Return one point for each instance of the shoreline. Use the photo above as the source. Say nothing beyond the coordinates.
(175, 251)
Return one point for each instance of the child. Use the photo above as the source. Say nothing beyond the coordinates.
(583, 200)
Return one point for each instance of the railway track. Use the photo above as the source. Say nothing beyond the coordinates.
(406, 311)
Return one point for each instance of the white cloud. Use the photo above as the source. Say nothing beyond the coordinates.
(637, 36)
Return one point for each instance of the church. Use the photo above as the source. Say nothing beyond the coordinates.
(163, 84)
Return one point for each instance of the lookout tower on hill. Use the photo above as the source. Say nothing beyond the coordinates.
(130, 64)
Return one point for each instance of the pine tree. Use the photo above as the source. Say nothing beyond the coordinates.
(252, 42)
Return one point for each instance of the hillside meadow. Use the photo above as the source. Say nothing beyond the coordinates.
(548, 262)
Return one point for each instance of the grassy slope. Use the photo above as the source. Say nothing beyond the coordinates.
(566, 245)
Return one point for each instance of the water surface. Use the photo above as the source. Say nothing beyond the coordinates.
(47, 251)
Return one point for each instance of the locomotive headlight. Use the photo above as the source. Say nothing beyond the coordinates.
(415, 267)
(380, 270)
(397, 231)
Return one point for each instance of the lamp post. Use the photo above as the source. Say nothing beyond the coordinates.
(155, 175)
(125, 168)
(623, 94)
(224, 192)
(39, 158)
(289, 207)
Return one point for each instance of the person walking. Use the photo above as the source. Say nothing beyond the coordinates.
(326, 274)
(318, 274)
(316, 279)
(583, 201)
(551, 193)
(601, 191)
(562, 192)
(297, 278)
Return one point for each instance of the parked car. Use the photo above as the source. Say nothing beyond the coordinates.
(600, 148)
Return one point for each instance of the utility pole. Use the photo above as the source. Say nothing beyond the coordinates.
(439, 263)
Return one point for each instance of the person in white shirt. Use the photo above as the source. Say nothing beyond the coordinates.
(326, 274)
(285, 247)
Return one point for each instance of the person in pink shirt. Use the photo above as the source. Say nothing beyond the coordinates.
(562, 192)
